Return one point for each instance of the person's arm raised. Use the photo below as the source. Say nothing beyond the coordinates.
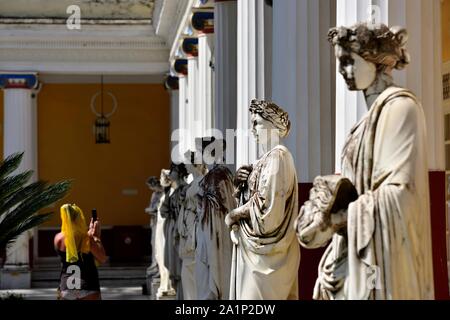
(97, 248)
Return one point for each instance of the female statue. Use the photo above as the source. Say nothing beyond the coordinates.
(214, 247)
(154, 184)
(266, 256)
(186, 227)
(165, 286)
(171, 210)
(377, 213)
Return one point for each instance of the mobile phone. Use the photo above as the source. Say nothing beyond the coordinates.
(94, 215)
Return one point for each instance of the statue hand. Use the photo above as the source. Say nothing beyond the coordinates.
(237, 214)
(339, 220)
(229, 220)
(242, 175)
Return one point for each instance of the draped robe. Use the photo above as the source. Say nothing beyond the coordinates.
(267, 256)
(214, 247)
(186, 230)
(155, 203)
(172, 237)
(165, 287)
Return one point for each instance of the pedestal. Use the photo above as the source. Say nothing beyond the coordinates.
(15, 278)
(153, 288)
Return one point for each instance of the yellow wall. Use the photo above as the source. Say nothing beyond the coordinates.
(139, 147)
(446, 30)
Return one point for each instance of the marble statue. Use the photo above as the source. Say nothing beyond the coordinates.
(376, 213)
(155, 202)
(186, 227)
(165, 287)
(266, 255)
(214, 246)
(171, 210)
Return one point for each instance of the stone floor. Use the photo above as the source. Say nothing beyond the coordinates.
(108, 293)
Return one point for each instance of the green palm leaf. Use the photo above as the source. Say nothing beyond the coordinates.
(20, 202)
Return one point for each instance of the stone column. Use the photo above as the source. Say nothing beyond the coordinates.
(205, 82)
(225, 51)
(174, 112)
(182, 111)
(254, 70)
(194, 112)
(303, 82)
(172, 85)
(350, 105)
(423, 75)
(20, 135)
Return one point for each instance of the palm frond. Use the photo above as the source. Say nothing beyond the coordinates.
(21, 195)
(36, 202)
(10, 164)
(19, 202)
(17, 230)
(10, 185)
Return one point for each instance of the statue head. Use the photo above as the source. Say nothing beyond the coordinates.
(366, 50)
(178, 172)
(154, 183)
(267, 120)
(164, 178)
(192, 165)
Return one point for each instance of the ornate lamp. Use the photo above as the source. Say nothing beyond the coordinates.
(102, 123)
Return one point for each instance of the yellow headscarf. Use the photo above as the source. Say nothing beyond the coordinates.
(75, 231)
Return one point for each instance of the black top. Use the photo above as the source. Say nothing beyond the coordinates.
(88, 272)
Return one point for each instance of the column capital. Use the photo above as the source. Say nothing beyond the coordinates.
(202, 20)
(181, 66)
(190, 46)
(171, 83)
(19, 80)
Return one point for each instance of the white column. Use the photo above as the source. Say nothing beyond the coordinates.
(225, 31)
(423, 75)
(20, 127)
(205, 82)
(20, 135)
(34, 121)
(183, 114)
(303, 82)
(174, 115)
(253, 71)
(194, 111)
(350, 105)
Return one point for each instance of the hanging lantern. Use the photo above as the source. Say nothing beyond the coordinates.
(102, 130)
(102, 124)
